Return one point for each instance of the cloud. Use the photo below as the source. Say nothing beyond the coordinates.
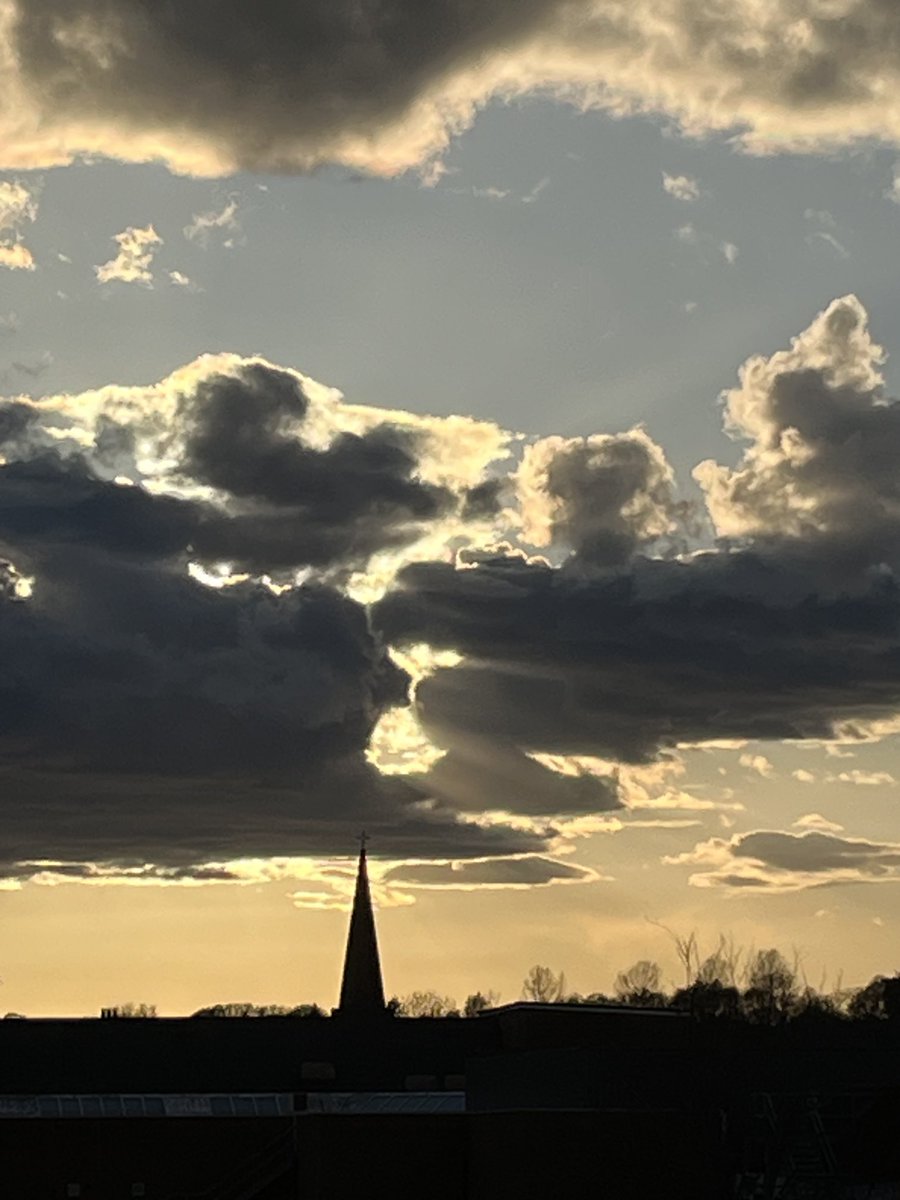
(522, 871)
(16, 257)
(531, 196)
(178, 279)
(480, 774)
(823, 439)
(823, 237)
(770, 861)
(204, 225)
(18, 208)
(864, 778)
(787, 632)
(224, 587)
(34, 370)
(681, 187)
(758, 764)
(602, 496)
(818, 822)
(385, 91)
(157, 728)
(490, 193)
(10, 323)
(133, 262)
(626, 662)
(820, 216)
(803, 776)
(689, 235)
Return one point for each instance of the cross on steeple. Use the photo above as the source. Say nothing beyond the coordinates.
(362, 991)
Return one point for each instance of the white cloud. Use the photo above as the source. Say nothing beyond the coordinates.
(18, 208)
(803, 776)
(681, 187)
(823, 237)
(133, 262)
(490, 193)
(758, 764)
(530, 197)
(179, 279)
(16, 257)
(203, 225)
(818, 822)
(689, 235)
(864, 778)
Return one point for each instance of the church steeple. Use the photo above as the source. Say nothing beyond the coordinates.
(362, 992)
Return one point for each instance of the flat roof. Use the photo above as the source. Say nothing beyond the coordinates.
(570, 1009)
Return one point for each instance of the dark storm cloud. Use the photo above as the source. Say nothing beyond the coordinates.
(217, 85)
(50, 501)
(121, 666)
(165, 826)
(209, 724)
(145, 718)
(785, 632)
(277, 84)
(528, 871)
(484, 501)
(482, 773)
(774, 861)
(15, 419)
(280, 503)
(814, 851)
(315, 506)
(153, 723)
(625, 663)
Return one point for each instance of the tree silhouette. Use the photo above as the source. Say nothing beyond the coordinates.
(640, 984)
(428, 1004)
(244, 1009)
(132, 1010)
(543, 986)
(771, 988)
(479, 1001)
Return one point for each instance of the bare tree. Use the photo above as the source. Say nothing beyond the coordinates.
(771, 987)
(723, 965)
(686, 948)
(640, 984)
(428, 1004)
(130, 1009)
(543, 986)
(479, 1001)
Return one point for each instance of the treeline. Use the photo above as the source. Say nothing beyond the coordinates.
(759, 987)
(756, 986)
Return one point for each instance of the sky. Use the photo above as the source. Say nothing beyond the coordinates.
(473, 425)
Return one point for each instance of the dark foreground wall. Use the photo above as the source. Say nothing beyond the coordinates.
(464, 1157)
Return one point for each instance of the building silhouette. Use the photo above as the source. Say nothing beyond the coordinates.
(524, 1100)
(362, 989)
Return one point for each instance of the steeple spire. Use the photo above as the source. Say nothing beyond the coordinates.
(362, 992)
